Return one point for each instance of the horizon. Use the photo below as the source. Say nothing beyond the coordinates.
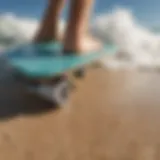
(146, 14)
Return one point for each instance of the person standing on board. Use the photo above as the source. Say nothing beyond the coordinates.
(77, 37)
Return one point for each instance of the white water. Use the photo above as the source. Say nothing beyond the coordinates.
(138, 47)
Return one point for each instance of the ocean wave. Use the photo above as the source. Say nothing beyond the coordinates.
(138, 46)
(15, 30)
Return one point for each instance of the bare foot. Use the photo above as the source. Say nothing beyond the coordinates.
(83, 45)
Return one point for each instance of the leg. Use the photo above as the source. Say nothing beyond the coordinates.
(49, 27)
(77, 38)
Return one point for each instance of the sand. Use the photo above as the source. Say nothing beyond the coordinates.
(111, 115)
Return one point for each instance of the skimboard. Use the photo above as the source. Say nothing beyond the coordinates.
(47, 61)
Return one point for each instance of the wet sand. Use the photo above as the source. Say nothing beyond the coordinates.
(110, 116)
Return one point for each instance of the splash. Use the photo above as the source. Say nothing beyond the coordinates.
(138, 47)
(14, 30)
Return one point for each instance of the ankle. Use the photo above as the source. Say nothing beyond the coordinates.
(71, 42)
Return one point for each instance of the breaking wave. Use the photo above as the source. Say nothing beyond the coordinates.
(138, 46)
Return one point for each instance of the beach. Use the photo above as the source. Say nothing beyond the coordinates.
(111, 115)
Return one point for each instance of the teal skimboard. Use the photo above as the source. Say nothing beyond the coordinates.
(37, 61)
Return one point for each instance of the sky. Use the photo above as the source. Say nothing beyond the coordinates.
(146, 11)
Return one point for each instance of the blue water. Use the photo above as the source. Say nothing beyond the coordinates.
(145, 10)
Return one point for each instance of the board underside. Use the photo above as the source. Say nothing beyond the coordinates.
(38, 61)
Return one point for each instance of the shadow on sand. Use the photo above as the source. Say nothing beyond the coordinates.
(14, 99)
